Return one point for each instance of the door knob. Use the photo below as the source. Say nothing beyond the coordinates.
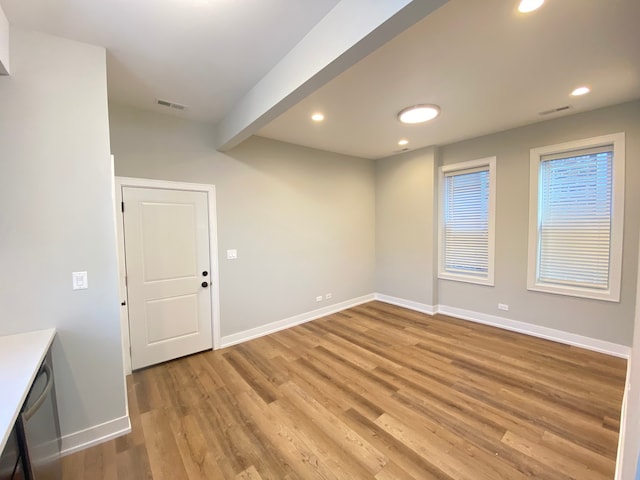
(205, 273)
(205, 284)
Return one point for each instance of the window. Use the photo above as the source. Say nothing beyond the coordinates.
(576, 217)
(467, 206)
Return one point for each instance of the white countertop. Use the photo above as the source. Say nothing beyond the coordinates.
(20, 359)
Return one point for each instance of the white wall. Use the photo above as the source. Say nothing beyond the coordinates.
(605, 321)
(302, 220)
(630, 427)
(55, 192)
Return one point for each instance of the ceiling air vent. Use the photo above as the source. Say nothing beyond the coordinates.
(176, 106)
(555, 110)
(401, 150)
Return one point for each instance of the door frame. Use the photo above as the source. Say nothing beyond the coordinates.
(214, 291)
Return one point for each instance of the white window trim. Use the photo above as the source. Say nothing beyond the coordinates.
(442, 171)
(612, 294)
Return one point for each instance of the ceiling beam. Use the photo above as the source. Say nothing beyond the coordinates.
(348, 33)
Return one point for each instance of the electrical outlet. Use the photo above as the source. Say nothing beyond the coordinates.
(319, 298)
(328, 296)
(232, 254)
(503, 306)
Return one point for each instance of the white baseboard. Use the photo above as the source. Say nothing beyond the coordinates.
(411, 305)
(89, 437)
(547, 333)
(513, 325)
(623, 425)
(76, 441)
(272, 327)
(560, 336)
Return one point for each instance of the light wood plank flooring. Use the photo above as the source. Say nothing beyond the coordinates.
(375, 391)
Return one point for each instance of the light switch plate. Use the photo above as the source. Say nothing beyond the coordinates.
(80, 280)
(232, 254)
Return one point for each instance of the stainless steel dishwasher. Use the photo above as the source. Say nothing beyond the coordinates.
(11, 465)
(39, 429)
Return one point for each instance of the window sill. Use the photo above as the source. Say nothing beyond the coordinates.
(606, 295)
(466, 279)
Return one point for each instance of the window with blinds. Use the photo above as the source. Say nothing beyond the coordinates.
(466, 221)
(576, 241)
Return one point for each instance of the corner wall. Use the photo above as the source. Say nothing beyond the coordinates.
(302, 220)
(57, 218)
(406, 189)
(406, 225)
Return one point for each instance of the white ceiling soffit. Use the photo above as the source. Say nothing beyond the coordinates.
(488, 67)
(349, 32)
(205, 54)
(4, 44)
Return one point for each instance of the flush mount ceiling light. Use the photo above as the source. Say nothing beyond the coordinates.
(317, 117)
(403, 142)
(419, 113)
(580, 91)
(527, 6)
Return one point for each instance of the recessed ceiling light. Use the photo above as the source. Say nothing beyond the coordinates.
(527, 6)
(580, 91)
(419, 113)
(317, 117)
(403, 142)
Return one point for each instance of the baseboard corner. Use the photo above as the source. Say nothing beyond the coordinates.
(410, 304)
(560, 336)
(246, 335)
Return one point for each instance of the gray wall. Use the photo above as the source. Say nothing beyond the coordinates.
(302, 220)
(597, 319)
(406, 221)
(57, 217)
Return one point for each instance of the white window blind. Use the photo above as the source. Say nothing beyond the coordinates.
(575, 218)
(466, 222)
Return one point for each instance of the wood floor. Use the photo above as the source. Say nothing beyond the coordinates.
(376, 391)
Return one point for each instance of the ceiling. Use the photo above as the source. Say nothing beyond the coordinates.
(204, 54)
(488, 67)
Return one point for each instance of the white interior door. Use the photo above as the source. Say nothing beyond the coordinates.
(166, 238)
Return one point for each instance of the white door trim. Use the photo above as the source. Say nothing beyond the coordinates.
(210, 190)
(123, 311)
